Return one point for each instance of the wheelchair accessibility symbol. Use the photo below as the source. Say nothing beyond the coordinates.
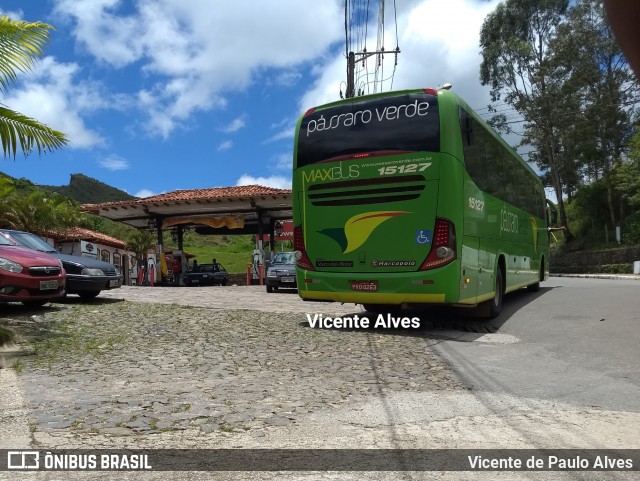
(423, 236)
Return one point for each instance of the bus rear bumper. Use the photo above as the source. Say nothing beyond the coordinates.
(390, 288)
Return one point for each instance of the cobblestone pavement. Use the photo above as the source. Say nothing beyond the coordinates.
(224, 297)
(234, 367)
(167, 365)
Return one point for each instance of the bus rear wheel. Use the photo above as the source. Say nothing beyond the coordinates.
(493, 307)
(536, 287)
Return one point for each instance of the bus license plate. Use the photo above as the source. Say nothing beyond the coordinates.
(114, 283)
(288, 279)
(365, 286)
(47, 285)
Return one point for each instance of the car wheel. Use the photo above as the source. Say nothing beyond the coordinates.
(269, 289)
(88, 294)
(223, 283)
(38, 303)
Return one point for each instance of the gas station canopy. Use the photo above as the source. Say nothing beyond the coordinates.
(249, 209)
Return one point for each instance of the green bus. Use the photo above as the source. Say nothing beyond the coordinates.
(409, 197)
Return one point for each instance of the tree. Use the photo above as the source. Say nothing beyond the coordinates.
(140, 241)
(514, 41)
(40, 212)
(21, 44)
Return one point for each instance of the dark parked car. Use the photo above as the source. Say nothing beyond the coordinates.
(85, 276)
(207, 274)
(27, 276)
(281, 272)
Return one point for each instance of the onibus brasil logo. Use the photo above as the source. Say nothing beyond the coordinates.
(359, 228)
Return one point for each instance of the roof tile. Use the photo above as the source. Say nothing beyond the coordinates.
(200, 194)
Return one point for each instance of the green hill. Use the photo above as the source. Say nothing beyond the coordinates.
(83, 189)
(86, 190)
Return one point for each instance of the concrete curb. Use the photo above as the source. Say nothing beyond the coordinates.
(633, 277)
(14, 418)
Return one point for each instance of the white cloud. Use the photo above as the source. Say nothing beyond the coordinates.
(287, 133)
(49, 94)
(284, 161)
(14, 15)
(145, 193)
(276, 181)
(226, 145)
(235, 125)
(113, 163)
(194, 53)
(287, 78)
(434, 50)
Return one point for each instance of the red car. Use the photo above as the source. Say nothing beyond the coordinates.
(31, 277)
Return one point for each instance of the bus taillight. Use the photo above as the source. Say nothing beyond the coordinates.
(302, 259)
(443, 247)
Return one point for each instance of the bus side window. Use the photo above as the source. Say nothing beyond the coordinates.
(473, 150)
(466, 126)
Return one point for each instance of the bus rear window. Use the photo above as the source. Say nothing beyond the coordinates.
(399, 123)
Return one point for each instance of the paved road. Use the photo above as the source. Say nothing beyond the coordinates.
(174, 367)
(578, 343)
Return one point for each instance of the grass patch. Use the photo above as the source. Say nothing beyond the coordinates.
(84, 332)
(6, 336)
(18, 365)
(183, 408)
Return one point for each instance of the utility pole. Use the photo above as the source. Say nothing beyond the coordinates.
(351, 67)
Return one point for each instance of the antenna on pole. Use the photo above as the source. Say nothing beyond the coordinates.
(354, 57)
(351, 74)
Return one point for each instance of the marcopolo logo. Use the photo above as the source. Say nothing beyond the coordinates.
(376, 263)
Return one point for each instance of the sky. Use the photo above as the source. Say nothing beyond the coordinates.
(162, 95)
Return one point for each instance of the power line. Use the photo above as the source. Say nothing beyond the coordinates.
(358, 56)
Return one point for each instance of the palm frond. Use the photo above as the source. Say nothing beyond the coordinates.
(21, 43)
(17, 129)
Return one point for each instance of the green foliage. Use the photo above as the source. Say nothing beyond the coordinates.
(631, 229)
(21, 44)
(140, 241)
(517, 64)
(589, 213)
(558, 65)
(38, 212)
(232, 251)
(7, 187)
